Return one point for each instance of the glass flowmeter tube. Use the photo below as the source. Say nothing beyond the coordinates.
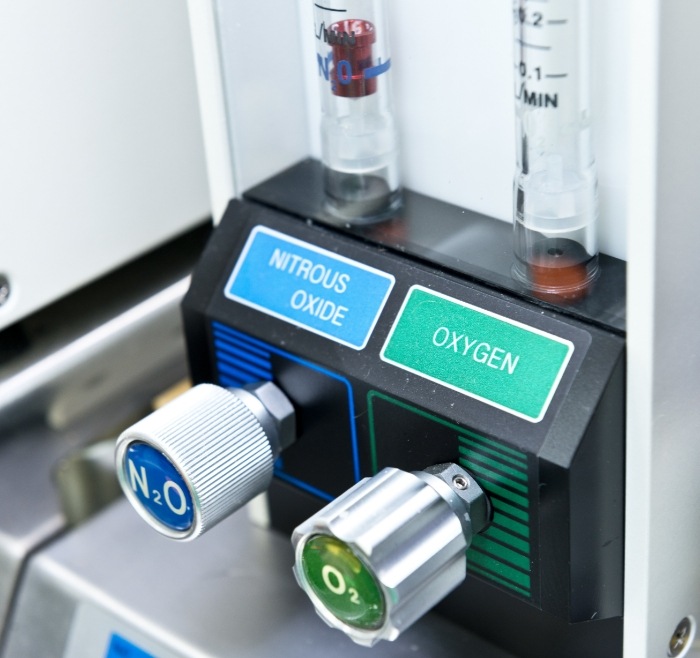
(555, 187)
(358, 131)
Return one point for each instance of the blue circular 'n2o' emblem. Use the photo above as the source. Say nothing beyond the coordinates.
(158, 486)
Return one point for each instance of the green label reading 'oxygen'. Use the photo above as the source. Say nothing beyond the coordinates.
(499, 361)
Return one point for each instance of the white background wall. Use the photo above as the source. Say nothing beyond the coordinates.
(101, 154)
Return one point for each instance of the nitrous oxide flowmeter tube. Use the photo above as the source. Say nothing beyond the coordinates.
(555, 188)
(359, 139)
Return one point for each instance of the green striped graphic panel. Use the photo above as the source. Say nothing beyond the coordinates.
(501, 554)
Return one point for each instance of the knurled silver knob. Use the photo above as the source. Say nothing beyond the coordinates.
(204, 455)
(386, 551)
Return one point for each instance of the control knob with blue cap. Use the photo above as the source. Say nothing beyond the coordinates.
(204, 455)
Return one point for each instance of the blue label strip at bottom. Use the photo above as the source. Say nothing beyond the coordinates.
(121, 648)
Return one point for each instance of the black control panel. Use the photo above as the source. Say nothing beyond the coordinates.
(397, 350)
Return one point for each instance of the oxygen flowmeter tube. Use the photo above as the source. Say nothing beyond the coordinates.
(555, 188)
(359, 140)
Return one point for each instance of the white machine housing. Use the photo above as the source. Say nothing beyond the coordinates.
(102, 157)
(453, 84)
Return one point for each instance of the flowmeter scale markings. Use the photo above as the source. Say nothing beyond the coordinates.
(309, 287)
(499, 361)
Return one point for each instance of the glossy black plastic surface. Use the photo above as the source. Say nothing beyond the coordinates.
(452, 238)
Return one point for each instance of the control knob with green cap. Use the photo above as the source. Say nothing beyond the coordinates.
(382, 554)
(204, 455)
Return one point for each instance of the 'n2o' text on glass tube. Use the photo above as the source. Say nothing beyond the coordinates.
(555, 188)
(359, 139)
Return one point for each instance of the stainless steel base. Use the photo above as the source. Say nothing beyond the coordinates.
(30, 513)
(230, 593)
(74, 373)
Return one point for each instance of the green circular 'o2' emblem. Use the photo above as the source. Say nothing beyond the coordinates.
(343, 584)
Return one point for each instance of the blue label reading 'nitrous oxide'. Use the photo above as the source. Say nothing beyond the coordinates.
(159, 487)
(309, 287)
